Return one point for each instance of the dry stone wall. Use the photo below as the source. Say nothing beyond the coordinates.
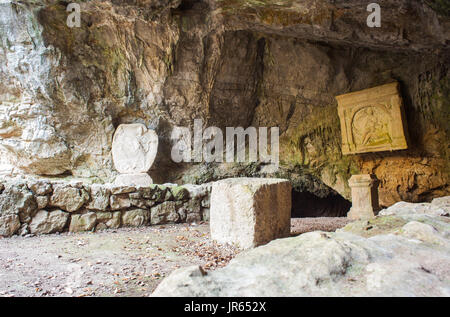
(42, 206)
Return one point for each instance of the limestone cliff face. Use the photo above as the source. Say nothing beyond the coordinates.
(63, 91)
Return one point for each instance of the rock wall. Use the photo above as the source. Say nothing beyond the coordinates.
(307, 114)
(63, 91)
(41, 207)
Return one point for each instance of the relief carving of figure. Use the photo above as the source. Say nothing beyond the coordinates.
(370, 127)
(372, 120)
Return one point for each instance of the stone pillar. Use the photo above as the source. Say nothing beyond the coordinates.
(364, 196)
(249, 212)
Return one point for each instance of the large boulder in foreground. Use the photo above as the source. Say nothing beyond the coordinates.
(438, 207)
(249, 212)
(395, 255)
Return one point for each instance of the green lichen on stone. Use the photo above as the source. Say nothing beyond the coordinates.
(319, 130)
(87, 47)
(200, 178)
(435, 108)
(159, 194)
(321, 122)
(56, 32)
(441, 7)
(110, 57)
(179, 193)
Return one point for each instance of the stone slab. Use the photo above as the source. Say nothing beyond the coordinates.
(137, 180)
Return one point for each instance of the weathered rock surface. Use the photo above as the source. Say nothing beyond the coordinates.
(191, 211)
(17, 205)
(115, 221)
(48, 222)
(164, 213)
(42, 202)
(120, 202)
(404, 255)
(136, 217)
(249, 212)
(63, 91)
(9, 224)
(438, 207)
(68, 198)
(100, 196)
(40, 188)
(180, 193)
(85, 222)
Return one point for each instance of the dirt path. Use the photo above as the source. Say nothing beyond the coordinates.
(122, 262)
(328, 224)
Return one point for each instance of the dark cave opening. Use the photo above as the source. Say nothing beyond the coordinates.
(305, 204)
(187, 5)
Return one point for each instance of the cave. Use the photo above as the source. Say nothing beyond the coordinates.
(254, 65)
(121, 126)
(309, 205)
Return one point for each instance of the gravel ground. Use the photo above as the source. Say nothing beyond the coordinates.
(303, 225)
(122, 262)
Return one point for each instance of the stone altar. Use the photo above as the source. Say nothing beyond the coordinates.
(249, 212)
(134, 150)
(364, 197)
(372, 120)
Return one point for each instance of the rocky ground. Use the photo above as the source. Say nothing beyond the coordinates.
(328, 224)
(121, 262)
(404, 251)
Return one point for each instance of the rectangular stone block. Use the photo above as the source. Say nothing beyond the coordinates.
(372, 120)
(249, 212)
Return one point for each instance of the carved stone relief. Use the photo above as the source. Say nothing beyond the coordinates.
(372, 120)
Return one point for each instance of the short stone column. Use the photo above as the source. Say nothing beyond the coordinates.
(364, 196)
(249, 212)
(134, 150)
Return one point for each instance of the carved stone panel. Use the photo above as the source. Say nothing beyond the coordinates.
(134, 148)
(372, 120)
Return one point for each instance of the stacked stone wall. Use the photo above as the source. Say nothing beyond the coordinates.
(44, 206)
